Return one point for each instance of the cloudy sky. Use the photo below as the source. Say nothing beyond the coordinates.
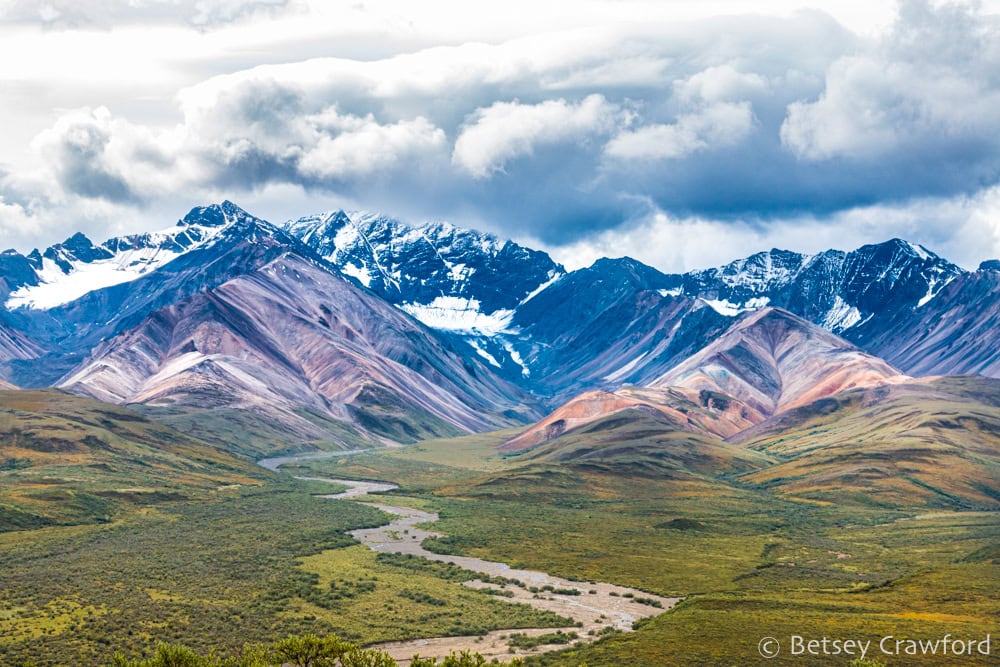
(682, 132)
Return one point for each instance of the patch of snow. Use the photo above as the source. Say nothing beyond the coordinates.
(57, 288)
(459, 272)
(553, 276)
(360, 273)
(724, 307)
(484, 354)
(841, 316)
(490, 245)
(934, 286)
(677, 291)
(452, 313)
(345, 238)
(758, 277)
(920, 251)
(621, 372)
(516, 358)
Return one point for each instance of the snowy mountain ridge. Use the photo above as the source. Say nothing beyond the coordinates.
(836, 289)
(69, 270)
(449, 278)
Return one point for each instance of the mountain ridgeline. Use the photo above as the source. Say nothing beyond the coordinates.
(352, 327)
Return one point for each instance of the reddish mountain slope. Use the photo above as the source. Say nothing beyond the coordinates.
(769, 361)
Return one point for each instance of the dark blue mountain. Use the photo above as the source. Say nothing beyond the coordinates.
(447, 277)
(835, 289)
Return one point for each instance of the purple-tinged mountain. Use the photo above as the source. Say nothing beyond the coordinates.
(620, 322)
(293, 350)
(85, 294)
(954, 333)
(15, 345)
(610, 324)
(772, 361)
(765, 363)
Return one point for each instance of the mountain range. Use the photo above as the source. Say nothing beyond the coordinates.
(354, 327)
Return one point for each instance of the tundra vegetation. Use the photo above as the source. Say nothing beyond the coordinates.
(208, 565)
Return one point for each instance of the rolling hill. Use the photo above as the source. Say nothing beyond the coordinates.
(67, 459)
(933, 442)
(768, 361)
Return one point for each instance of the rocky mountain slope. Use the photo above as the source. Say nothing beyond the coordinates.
(771, 360)
(129, 278)
(189, 316)
(446, 277)
(837, 290)
(954, 333)
(767, 362)
(291, 341)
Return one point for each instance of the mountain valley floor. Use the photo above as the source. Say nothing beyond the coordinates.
(216, 572)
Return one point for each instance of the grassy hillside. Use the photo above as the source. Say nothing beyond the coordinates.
(66, 459)
(669, 513)
(645, 443)
(933, 443)
(255, 436)
(627, 499)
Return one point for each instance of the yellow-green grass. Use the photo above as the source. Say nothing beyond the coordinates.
(752, 557)
(253, 435)
(934, 443)
(374, 601)
(69, 459)
(725, 628)
(748, 559)
(473, 452)
(245, 564)
(639, 442)
(214, 572)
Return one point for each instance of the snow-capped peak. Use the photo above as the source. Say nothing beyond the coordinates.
(417, 265)
(919, 250)
(67, 271)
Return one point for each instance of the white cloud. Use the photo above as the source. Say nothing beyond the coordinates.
(721, 83)
(718, 125)
(15, 221)
(592, 118)
(507, 130)
(366, 147)
(871, 108)
(108, 13)
(94, 154)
